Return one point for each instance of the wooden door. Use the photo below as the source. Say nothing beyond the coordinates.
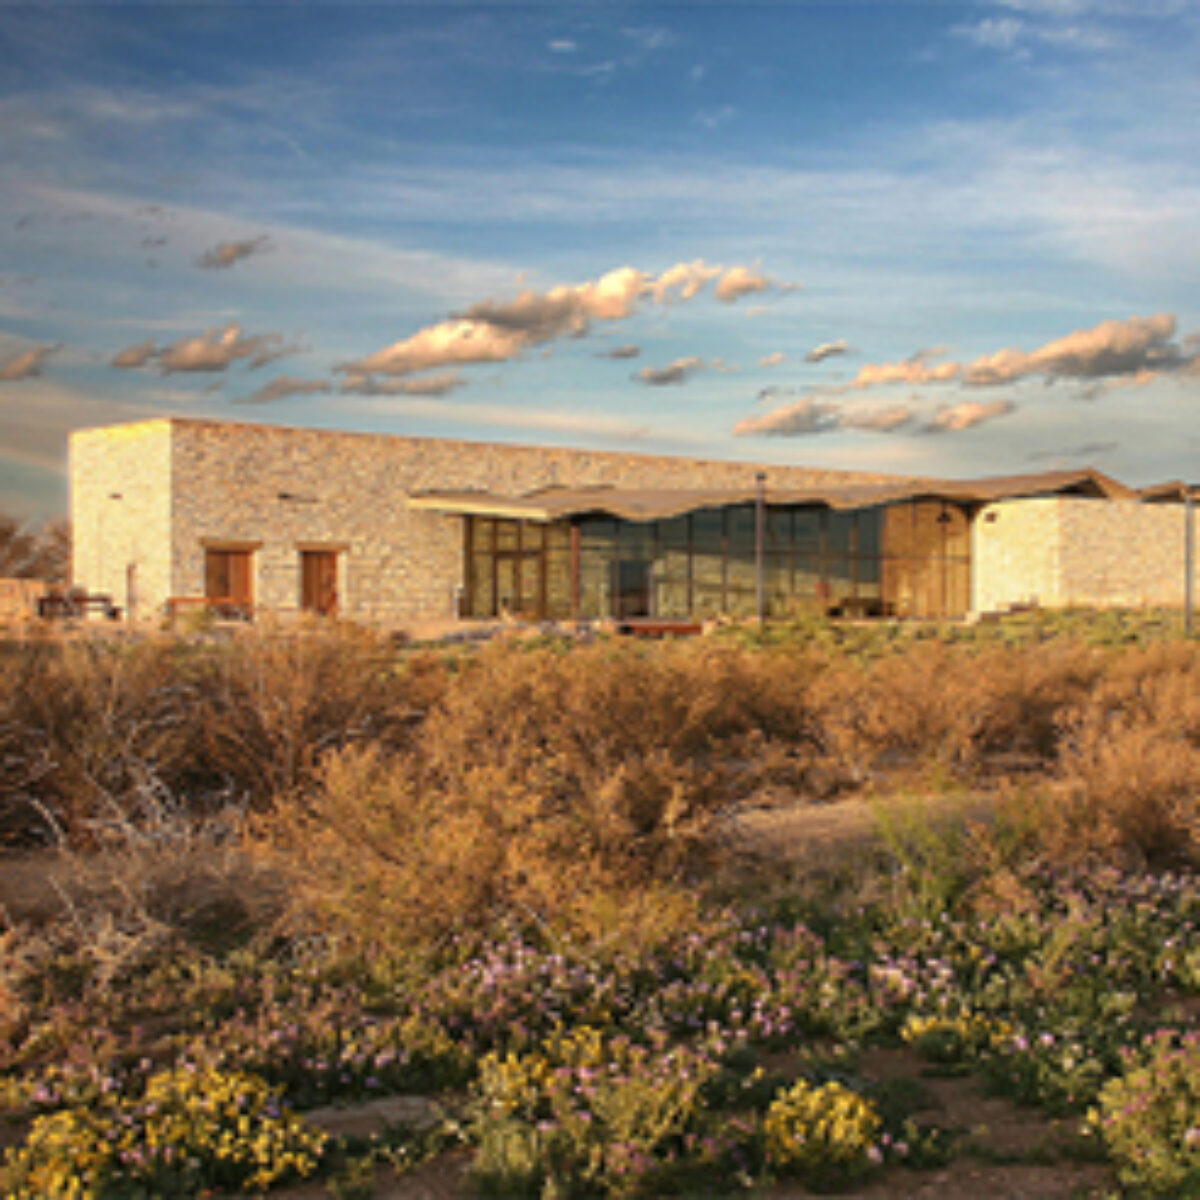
(319, 581)
(229, 578)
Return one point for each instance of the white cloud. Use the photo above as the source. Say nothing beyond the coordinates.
(996, 33)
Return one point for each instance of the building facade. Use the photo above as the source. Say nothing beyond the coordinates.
(254, 518)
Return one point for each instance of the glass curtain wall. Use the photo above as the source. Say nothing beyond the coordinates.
(701, 564)
(927, 559)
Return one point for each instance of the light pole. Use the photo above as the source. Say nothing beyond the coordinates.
(760, 517)
(1189, 543)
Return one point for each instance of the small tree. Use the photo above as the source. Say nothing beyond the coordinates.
(43, 553)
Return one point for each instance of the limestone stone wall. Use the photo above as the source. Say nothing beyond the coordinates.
(121, 513)
(1015, 555)
(279, 491)
(1070, 551)
(1123, 553)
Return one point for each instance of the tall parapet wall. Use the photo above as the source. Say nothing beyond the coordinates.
(121, 513)
(279, 491)
(1015, 556)
(1067, 551)
(1124, 553)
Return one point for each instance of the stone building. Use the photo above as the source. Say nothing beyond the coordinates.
(255, 518)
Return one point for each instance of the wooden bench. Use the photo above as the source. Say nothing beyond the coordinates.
(657, 627)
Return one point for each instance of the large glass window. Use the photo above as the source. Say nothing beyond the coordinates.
(926, 559)
(911, 559)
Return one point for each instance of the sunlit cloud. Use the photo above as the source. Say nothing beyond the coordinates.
(827, 350)
(679, 371)
(772, 360)
(497, 331)
(25, 365)
(1120, 352)
(741, 281)
(880, 420)
(218, 350)
(958, 417)
(806, 416)
(685, 279)
(912, 371)
(1110, 348)
(134, 356)
(225, 254)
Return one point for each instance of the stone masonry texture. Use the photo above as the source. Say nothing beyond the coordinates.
(185, 485)
(148, 499)
(1067, 551)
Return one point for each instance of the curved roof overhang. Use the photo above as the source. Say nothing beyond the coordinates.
(656, 504)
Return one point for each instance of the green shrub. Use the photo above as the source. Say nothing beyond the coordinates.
(585, 1115)
(191, 1130)
(826, 1134)
(1149, 1117)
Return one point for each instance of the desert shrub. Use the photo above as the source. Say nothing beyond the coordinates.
(168, 882)
(596, 708)
(1130, 764)
(537, 780)
(90, 729)
(952, 705)
(95, 732)
(1149, 1117)
(191, 1130)
(824, 1133)
(273, 702)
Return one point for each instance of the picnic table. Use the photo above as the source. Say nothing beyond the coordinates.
(77, 604)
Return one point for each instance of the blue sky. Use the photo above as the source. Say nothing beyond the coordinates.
(947, 238)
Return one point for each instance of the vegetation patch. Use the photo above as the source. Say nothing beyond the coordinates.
(501, 880)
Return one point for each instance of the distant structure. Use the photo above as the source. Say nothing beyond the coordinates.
(176, 513)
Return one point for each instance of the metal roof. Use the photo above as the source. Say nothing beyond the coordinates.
(651, 504)
(1174, 490)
